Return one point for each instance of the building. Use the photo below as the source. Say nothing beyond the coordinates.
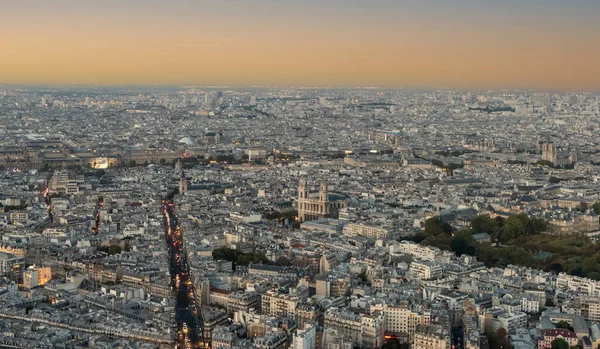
(511, 322)
(426, 270)
(212, 317)
(558, 157)
(548, 336)
(368, 231)
(590, 308)
(36, 276)
(243, 301)
(307, 314)
(305, 338)
(273, 271)
(18, 217)
(271, 340)
(372, 329)
(530, 303)
(578, 284)
(314, 206)
(431, 337)
(333, 339)
(346, 323)
(278, 305)
(416, 250)
(212, 138)
(221, 338)
(333, 287)
(365, 330)
(10, 263)
(65, 183)
(400, 319)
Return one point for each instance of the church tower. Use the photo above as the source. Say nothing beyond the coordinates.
(323, 193)
(183, 183)
(302, 190)
(323, 200)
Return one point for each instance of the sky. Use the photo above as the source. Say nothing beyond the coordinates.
(542, 44)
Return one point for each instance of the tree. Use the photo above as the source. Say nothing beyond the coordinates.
(583, 206)
(484, 224)
(596, 207)
(502, 338)
(556, 267)
(511, 230)
(132, 163)
(559, 343)
(114, 249)
(162, 162)
(565, 325)
(436, 226)
(462, 244)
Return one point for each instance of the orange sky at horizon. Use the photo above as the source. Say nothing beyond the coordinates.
(382, 51)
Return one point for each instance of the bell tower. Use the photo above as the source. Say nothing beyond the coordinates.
(323, 193)
(183, 183)
(302, 189)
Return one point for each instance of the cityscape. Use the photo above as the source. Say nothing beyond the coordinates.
(300, 174)
(298, 217)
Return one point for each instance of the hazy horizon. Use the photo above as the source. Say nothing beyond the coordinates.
(541, 45)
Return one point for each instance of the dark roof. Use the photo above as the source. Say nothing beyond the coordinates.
(559, 332)
(283, 261)
(528, 198)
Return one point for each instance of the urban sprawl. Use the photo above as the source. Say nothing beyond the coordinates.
(302, 218)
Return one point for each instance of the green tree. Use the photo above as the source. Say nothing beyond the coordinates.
(484, 224)
(132, 163)
(436, 226)
(556, 267)
(511, 229)
(559, 343)
(162, 162)
(565, 325)
(225, 253)
(596, 207)
(114, 249)
(463, 244)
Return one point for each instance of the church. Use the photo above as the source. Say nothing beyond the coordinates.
(318, 205)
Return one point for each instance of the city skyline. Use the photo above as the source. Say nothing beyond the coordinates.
(452, 44)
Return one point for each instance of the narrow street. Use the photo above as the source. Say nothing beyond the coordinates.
(188, 316)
